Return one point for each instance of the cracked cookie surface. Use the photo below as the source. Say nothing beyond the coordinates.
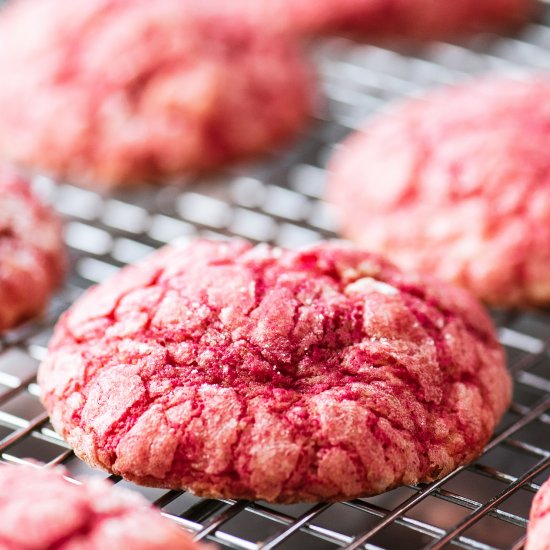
(40, 510)
(32, 256)
(264, 373)
(466, 187)
(133, 90)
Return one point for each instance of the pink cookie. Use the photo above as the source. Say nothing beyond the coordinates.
(420, 19)
(41, 510)
(117, 92)
(457, 185)
(32, 259)
(538, 532)
(264, 373)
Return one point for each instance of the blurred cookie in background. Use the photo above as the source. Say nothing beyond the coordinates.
(41, 509)
(32, 256)
(115, 92)
(395, 19)
(538, 531)
(457, 184)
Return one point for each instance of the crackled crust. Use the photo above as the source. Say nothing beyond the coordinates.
(42, 510)
(466, 187)
(32, 259)
(538, 532)
(132, 90)
(320, 374)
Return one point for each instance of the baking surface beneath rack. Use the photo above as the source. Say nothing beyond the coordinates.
(484, 505)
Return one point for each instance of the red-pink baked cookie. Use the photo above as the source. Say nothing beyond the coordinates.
(457, 185)
(419, 19)
(435, 19)
(117, 92)
(265, 373)
(40, 509)
(32, 258)
(538, 532)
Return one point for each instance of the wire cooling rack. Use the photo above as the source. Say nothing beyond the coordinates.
(482, 506)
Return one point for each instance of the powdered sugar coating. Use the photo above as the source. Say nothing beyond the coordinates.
(419, 19)
(319, 374)
(538, 532)
(40, 510)
(133, 90)
(32, 256)
(457, 185)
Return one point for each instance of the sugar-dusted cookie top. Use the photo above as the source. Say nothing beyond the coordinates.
(264, 373)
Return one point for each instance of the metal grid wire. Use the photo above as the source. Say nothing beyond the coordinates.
(482, 506)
